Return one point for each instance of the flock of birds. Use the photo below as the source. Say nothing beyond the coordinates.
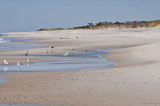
(28, 60)
(18, 63)
(6, 63)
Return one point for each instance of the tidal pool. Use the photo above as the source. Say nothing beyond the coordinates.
(81, 61)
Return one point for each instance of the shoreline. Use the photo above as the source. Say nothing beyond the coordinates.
(130, 83)
(79, 61)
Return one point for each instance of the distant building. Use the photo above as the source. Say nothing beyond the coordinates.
(135, 22)
(81, 27)
(117, 22)
(90, 24)
(107, 23)
(101, 23)
(129, 22)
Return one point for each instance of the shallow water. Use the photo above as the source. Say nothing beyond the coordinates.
(16, 44)
(81, 61)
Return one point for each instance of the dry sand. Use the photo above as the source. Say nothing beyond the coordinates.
(135, 81)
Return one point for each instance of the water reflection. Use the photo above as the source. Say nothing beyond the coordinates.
(18, 69)
(90, 60)
(5, 68)
(28, 65)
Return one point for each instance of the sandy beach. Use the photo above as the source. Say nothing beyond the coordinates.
(134, 81)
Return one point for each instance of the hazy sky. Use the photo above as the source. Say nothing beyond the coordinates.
(30, 15)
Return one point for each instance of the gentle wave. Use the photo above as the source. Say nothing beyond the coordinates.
(2, 41)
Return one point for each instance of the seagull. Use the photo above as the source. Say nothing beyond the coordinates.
(51, 47)
(18, 64)
(5, 62)
(26, 53)
(66, 54)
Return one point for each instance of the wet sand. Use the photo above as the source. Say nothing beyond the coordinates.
(135, 81)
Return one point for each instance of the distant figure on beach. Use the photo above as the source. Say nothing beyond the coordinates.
(86, 50)
(26, 53)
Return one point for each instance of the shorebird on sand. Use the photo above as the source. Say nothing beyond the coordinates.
(66, 54)
(5, 62)
(26, 53)
(86, 50)
(18, 64)
(51, 47)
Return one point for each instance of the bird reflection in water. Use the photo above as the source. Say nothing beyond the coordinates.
(5, 68)
(28, 65)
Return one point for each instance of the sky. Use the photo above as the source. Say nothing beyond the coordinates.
(31, 15)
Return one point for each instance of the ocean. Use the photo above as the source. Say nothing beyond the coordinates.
(7, 43)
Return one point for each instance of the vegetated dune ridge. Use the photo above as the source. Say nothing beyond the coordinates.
(142, 24)
(117, 25)
(135, 81)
